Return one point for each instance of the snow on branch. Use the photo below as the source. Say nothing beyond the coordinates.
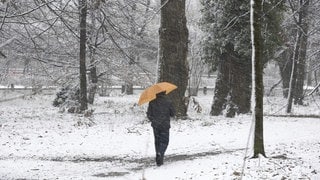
(4, 44)
(7, 42)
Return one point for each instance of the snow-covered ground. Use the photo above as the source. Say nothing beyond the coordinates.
(38, 142)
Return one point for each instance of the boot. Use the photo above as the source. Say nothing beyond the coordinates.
(159, 159)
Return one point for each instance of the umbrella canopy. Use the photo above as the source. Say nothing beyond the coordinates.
(149, 94)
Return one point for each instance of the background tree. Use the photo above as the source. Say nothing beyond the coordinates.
(299, 56)
(313, 52)
(227, 48)
(133, 41)
(227, 44)
(92, 43)
(197, 66)
(308, 41)
(173, 49)
(48, 33)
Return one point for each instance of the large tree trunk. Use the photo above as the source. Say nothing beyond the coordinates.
(241, 85)
(173, 48)
(83, 36)
(257, 79)
(222, 86)
(232, 89)
(285, 67)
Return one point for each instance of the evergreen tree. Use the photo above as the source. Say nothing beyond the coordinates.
(226, 25)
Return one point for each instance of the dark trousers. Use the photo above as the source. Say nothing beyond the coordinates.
(161, 140)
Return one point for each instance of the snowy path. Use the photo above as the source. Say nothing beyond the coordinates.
(38, 142)
(131, 164)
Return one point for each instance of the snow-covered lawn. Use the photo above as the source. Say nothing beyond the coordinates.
(38, 142)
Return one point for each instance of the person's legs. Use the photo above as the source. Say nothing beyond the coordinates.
(161, 141)
(156, 133)
(163, 144)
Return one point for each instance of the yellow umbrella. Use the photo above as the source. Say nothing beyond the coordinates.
(149, 94)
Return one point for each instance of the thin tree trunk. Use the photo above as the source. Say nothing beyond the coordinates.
(296, 56)
(293, 73)
(196, 68)
(93, 78)
(83, 36)
(133, 53)
(315, 74)
(257, 79)
(173, 48)
(299, 91)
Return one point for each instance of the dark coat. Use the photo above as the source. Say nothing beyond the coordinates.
(159, 112)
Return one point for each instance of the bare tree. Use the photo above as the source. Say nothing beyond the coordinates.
(196, 64)
(299, 56)
(93, 44)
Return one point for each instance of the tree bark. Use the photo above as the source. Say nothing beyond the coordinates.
(173, 48)
(285, 68)
(232, 89)
(257, 79)
(93, 78)
(241, 84)
(82, 56)
(222, 86)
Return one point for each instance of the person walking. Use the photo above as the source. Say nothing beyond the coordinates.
(159, 112)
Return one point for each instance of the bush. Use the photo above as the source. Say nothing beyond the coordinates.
(68, 97)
